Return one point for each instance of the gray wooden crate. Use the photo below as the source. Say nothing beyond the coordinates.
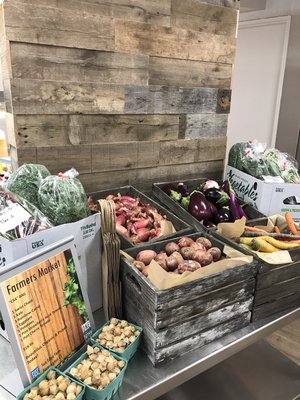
(186, 317)
(181, 212)
(182, 227)
(277, 286)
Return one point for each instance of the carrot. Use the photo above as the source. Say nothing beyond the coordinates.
(281, 236)
(290, 223)
(276, 229)
(254, 229)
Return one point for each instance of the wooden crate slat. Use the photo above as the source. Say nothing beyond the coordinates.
(276, 291)
(34, 61)
(278, 275)
(275, 306)
(165, 42)
(187, 73)
(223, 3)
(194, 126)
(198, 16)
(61, 130)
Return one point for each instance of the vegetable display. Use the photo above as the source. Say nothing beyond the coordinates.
(256, 159)
(99, 369)
(258, 239)
(137, 221)
(26, 180)
(19, 218)
(56, 387)
(177, 258)
(63, 199)
(210, 203)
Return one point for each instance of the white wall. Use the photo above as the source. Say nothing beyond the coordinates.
(289, 116)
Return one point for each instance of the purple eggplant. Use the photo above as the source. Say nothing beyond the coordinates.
(182, 189)
(201, 208)
(223, 215)
(208, 224)
(217, 196)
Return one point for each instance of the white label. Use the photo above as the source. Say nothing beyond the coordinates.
(12, 216)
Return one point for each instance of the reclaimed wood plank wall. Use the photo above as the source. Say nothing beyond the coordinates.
(125, 91)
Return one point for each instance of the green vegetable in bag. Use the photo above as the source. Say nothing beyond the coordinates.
(26, 180)
(62, 199)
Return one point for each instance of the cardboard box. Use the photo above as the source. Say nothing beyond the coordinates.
(87, 239)
(268, 198)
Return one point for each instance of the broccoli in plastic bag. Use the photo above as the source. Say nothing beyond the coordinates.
(63, 199)
(19, 218)
(26, 180)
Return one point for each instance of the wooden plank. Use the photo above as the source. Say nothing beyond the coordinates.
(174, 100)
(176, 333)
(198, 16)
(193, 150)
(203, 125)
(60, 130)
(33, 23)
(143, 178)
(22, 156)
(224, 3)
(60, 159)
(8, 95)
(281, 274)
(277, 291)
(31, 61)
(11, 130)
(54, 97)
(275, 306)
(156, 12)
(166, 42)
(188, 73)
(126, 155)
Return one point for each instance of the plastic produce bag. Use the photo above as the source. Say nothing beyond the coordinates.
(63, 199)
(26, 180)
(19, 218)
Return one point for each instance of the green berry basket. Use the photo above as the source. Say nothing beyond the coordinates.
(95, 394)
(130, 350)
(44, 376)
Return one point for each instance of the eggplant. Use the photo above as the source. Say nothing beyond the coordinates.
(201, 208)
(182, 189)
(217, 196)
(208, 224)
(210, 184)
(223, 215)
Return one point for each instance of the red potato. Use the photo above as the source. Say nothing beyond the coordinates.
(172, 263)
(187, 253)
(161, 256)
(145, 271)
(161, 259)
(199, 256)
(197, 246)
(146, 256)
(171, 247)
(178, 256)
(185, 242)
(206, 259)
(216, 253)
(206, 242)
(188, 265)
(163, 264)
(139, 265)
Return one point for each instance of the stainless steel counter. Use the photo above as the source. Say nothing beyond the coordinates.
(144, 382)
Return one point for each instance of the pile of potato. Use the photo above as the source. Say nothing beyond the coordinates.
(186, 255)
(54, 388)
(99, 369)
(118, 335)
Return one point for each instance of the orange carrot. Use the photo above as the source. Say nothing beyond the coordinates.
(290, 223)
(254, 229)
(276, 229)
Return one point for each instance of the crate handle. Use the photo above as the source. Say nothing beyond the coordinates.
(133, 281)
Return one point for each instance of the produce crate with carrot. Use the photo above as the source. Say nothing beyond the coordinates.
(275, 243)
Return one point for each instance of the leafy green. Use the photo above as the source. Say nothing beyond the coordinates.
(63, 200)
(73, 294)
(26, 180)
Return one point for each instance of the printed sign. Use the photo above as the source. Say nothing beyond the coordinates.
(47, 312)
